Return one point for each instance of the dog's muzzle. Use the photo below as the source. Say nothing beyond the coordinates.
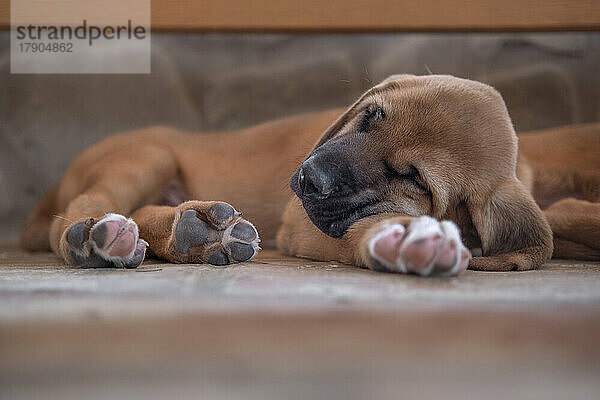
(330, 195)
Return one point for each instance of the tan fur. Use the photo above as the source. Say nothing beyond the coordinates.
(458, 130)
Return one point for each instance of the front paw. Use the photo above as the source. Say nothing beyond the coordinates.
(426, 247)
(212, 232)
(111, 242)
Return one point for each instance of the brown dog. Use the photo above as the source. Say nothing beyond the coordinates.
(413, 177)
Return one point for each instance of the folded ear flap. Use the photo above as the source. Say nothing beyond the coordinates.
(514, 232)
(348, 114)
(339, 123)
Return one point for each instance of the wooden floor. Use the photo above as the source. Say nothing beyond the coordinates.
(280, 328)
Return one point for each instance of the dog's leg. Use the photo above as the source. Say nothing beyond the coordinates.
(574, 219)
(404, 244)
(93, 230)
(35, 235)
(198, 232)
(576, 228)
(564, 248)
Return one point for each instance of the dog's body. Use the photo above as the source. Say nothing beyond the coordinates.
(410, 147)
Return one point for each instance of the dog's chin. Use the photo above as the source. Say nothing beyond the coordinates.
(335, 223)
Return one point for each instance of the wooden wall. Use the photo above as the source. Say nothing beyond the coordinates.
(360, 15)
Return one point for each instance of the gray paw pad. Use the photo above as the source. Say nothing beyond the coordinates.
(99, 235)
(241, 251)
(221, 212)
(244, 231)
(220, 238)
(77, 235)
(218, 258)
(190, 231)
(137, 258)
(91, 261)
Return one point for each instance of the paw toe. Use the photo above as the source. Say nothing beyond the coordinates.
(384, 249)
(138, 255)
(386, 246)
(244, 231)
(78, 234)
(218, 258)
(101, 232)
(221, 212)
(241, 251)
(420, 253)
(447, 256)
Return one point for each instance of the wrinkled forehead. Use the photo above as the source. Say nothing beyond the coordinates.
(435, 103)
(383, 93)
(419, 105)
(433, 106)
(387, 95)
(399, 88)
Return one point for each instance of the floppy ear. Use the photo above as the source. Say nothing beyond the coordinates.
(339, 123)
(514, 232)
(346, 116)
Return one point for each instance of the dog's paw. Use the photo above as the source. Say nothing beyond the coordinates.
(426, 247)
(111, 242)
(216, 235)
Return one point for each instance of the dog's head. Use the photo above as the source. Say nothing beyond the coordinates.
(414, 145)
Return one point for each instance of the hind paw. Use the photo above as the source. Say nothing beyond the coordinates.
(214, 234)
(111, 242)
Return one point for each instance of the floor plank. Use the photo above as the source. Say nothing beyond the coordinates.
(281, 327)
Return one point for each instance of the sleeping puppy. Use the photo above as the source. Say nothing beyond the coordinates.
(420, 175)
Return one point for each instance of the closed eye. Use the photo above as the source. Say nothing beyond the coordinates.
(411, 175)
(371, 114)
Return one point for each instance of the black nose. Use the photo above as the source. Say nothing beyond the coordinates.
(316, 180)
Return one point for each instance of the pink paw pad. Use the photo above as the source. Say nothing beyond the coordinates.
(419, 253)
(116, 240)
(388, 245)
(115, 235)
(426, 247)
